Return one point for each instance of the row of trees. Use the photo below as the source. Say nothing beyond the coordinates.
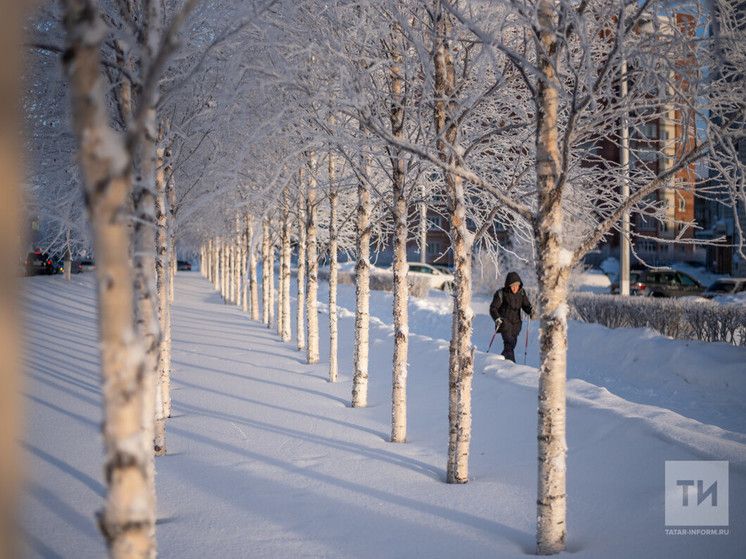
(323, 128)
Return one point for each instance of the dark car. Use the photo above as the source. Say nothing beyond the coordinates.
(183, 266)
(652, 283)
(38, 263)
(725, 286)
(634, 283)
(668, 283)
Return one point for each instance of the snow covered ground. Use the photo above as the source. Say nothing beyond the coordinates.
(266, 459)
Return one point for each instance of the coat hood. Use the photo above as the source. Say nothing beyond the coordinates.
(513, 277)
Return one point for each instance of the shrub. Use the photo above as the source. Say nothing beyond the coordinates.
(678, 318)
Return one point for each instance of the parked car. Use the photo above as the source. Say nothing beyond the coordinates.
(438, 279)
(183, 266)
(87, 265)
(39, 263)
(654, 283)
(634, 277)
(725, 286)
(667, 284)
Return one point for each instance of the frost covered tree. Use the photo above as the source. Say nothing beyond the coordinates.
(106, 168)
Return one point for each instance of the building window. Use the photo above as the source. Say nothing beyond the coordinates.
(647, 246)
(682, 204)
(433, 248)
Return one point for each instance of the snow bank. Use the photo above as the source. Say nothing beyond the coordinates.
(266, 458)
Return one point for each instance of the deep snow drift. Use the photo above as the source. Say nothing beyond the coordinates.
(266, 459)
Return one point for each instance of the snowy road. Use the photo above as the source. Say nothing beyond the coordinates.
(266, 459)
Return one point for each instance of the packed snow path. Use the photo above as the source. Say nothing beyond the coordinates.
(266, 459)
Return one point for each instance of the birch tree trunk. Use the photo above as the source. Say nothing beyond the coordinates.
(245, 247)
(253, 287)
(362, 293)
(551, 497)
(271, 283)
(265, 271)
(68, 257)
(204, 265)
(224, 268)
(126, 521)
(333, 248)
(171, 225)
(165, 175)
(231, 269)
(238, 265)
(164, 311)
(399, 266)
(461, 366)
(300, 322)
(285, 283)
(422, 226)
(312, 351)
(216, 263)
(281, 270)
(11, 322)
(149, 328)
(201, 259)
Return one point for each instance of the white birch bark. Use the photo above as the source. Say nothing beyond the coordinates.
(461, 352)
(146, 292)
(265, 271)
(236, 242)
(333, 248)
(271, 283)
(126, 520)
(312, 268)
(68, 257)
(422, 227)
(399, 266)
(285, 283)
(281, 270)
(551, 496)
(245, 265)
(201, 260)
(224, 269)
(167, 171)
(171, 221)
(162, 275)
(253, 286)
(216, 263)
(362, 293)
(238, 264)
(300, 321)
(207, 263)
(231, 270)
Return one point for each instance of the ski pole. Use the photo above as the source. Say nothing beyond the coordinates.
(525, 348)
(497, 327)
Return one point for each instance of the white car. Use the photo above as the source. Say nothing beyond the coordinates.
(438, 279)
(725, 286)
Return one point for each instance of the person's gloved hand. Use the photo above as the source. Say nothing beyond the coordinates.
(498, 322)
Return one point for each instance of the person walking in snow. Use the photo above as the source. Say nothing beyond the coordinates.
(505, 310)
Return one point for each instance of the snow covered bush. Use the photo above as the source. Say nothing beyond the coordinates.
(682, 318)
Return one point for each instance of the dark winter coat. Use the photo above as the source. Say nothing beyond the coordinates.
(507, 306)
